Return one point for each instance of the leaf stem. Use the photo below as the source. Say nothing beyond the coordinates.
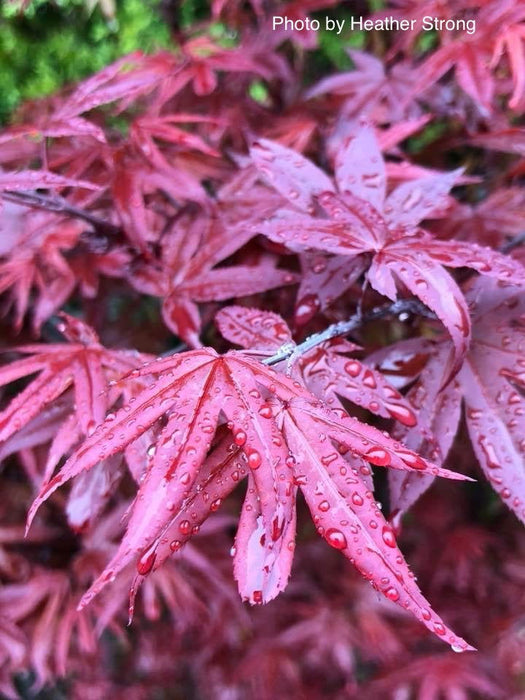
(291, 353)
(58, 204)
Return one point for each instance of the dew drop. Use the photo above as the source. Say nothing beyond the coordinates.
(266, 411)
(356, 499)
(254, 460)
(378, 456)
(353, 368)
(369, 379)
(392, 594)
(388, 536)
(146, 561)
(439, 628)
(185, 527)
(336, 539)
(401, 413)
(239, 438)
(411, 459)
(306, 309)
(215, 505)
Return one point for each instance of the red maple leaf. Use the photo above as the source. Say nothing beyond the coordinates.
(187, 272)
(282, 438)
(360, 218)
(83, 364)
(490, 385)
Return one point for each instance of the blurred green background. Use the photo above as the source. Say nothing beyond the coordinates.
(45, 44)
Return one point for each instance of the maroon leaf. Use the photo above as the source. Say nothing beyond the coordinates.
(268, 415)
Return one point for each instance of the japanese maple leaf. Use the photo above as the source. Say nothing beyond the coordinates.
(511, 41)
(83, 364)
(40, 179)
(369, 89)
(441, 676)
(282, 438)
(325, 369)
(495, 221)
(36, 264)
(490, 385)
(43, 605)
(498, 27)
(416, 10)
(360, 218)
(510, 140)
(133, 178)
(48, 126)
(129, 77)
(470, 58)
(187, 273)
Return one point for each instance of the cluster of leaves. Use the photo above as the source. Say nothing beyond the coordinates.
(164, 210)
(44, 44)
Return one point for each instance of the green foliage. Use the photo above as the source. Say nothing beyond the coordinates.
(49, 44)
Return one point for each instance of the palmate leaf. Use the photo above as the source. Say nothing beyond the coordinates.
(282, 437)
(187, 274)
(489, 384)
(360, 218)
(84, 365)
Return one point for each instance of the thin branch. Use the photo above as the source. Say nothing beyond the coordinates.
(291, 352)
(58, 204)
(514, 243)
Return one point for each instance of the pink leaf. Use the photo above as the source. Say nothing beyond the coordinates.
(253, 329)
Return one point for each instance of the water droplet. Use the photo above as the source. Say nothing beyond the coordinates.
(392, 594)
(266, 410)
(369, 379)
(306, 309)
(489, 452)
(185, 527)
(324, 506)
(353, 368)
(215, 505)
(254, 460)
(388, 536)
(356, 499)
(239, 438)
(336, 539)
(411, 459)
(146, 562)
(401, 413)
(378, 456)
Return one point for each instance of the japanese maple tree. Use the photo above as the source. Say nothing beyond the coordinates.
(252, 308)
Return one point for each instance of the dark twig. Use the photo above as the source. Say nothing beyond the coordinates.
(58, 204)
(292, 352)
(514, 243)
